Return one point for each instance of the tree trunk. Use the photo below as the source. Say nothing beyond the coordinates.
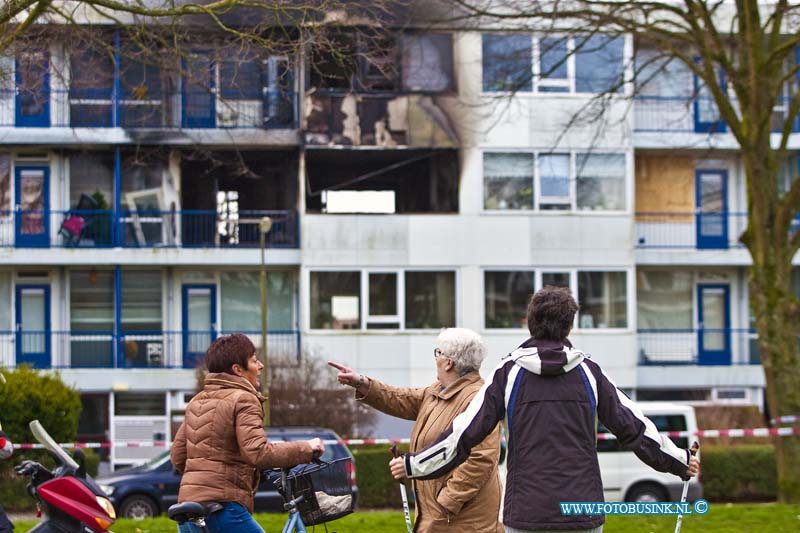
(775, 307)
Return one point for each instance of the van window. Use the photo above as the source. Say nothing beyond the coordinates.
(662, 423)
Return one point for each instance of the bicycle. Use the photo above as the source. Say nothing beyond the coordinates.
(308, 498)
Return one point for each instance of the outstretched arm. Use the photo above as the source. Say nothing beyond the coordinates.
(402, 402)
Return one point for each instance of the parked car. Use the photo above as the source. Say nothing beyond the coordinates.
(626, 478)
(148, 490)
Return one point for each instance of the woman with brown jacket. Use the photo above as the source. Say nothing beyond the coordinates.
(468, 499)
(221, 447)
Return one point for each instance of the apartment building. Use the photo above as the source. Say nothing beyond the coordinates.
(437, 180)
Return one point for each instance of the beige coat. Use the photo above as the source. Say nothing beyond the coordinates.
(221, 446)
(468, 498)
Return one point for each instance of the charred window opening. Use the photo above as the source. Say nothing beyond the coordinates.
(368, 61)
(224, 194)
(410, 181)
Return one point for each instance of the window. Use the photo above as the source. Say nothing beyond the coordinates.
(428, 62)
(241, 301)
(240, 79)
(426, 300)
(592, 64)
(603, 300)
(659, 76)
(600, 181)
(141, 301)
(91, 317)
(382, 308)
(508, 180)
(5, 184)
(507, 62)
(335, 300)
(430, 300)
(91, 300)
(141, 90)
(140, 404)
(556, 279)
(91, 86)
(553, 65)
(664, 299)
(506, 298)
(599, 64)
(554, 181)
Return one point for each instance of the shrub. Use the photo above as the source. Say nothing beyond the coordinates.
(739, 473)
(376, 486)
(29, 395)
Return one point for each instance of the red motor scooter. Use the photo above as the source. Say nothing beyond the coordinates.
(70, 501)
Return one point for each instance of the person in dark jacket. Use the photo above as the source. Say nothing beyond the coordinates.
(551, 396)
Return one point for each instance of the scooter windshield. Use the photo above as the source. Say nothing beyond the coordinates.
(47, 441)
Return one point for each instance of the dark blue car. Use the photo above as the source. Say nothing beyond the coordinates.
(148, 490)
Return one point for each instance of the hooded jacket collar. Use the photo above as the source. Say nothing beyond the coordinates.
(547, 358)
(456, 386)
(223, 380)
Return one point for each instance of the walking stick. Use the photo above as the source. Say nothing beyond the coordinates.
(396, 453)
(693, 451)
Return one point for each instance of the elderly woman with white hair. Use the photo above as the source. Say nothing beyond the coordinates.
(468, 499)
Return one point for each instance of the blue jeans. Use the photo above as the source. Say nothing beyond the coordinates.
(232, 517)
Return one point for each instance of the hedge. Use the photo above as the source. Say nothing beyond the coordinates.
(30, 395)
(376, 486)
(742, 473)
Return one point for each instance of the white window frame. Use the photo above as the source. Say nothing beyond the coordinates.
(538, 81)
(568, 201)
(305, 296)
(573, 287)
(399, 318)
(573, 181)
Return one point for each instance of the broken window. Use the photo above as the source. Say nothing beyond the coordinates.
(224, 194)
(369, 61)
(428, 62)
(421, 181)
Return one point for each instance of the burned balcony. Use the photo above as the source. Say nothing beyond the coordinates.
(225, 195)
(382, 181)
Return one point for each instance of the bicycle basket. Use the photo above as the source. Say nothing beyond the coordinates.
(326, 490)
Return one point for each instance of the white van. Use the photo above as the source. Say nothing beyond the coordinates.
(627, 478)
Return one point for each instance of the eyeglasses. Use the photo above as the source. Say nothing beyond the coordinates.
(437, 352)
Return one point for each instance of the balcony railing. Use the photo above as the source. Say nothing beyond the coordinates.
(697, 230)
(694, 230)
(698, 347)
(665, 114)
(145, 229)
(97, 108)
(130, 349)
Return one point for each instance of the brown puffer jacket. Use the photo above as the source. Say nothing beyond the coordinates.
(468, 498)
(221, 446)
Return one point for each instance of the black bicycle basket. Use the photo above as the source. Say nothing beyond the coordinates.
(326, 490)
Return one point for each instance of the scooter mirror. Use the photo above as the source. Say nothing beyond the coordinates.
(80, 458)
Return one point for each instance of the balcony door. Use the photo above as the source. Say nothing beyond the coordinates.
(711, 209)
(199, 321)
(199, 95)
(32, 220)
(33, 325)
(32, 100)
(713, 324)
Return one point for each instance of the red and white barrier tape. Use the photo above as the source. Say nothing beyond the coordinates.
(708, 433)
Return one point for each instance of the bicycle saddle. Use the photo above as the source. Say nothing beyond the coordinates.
(186, 511)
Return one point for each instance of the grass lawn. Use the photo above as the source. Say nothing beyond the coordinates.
(720, 518)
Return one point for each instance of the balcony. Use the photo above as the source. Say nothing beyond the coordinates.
(100, 108)
(664, 114)
(139, 349)
(145, 229)
(712, 347)
(695, 230)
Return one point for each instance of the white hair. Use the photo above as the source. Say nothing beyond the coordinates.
(464, 347)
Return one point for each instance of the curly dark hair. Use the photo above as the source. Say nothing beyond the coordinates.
(227, 351)
(551, 313)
